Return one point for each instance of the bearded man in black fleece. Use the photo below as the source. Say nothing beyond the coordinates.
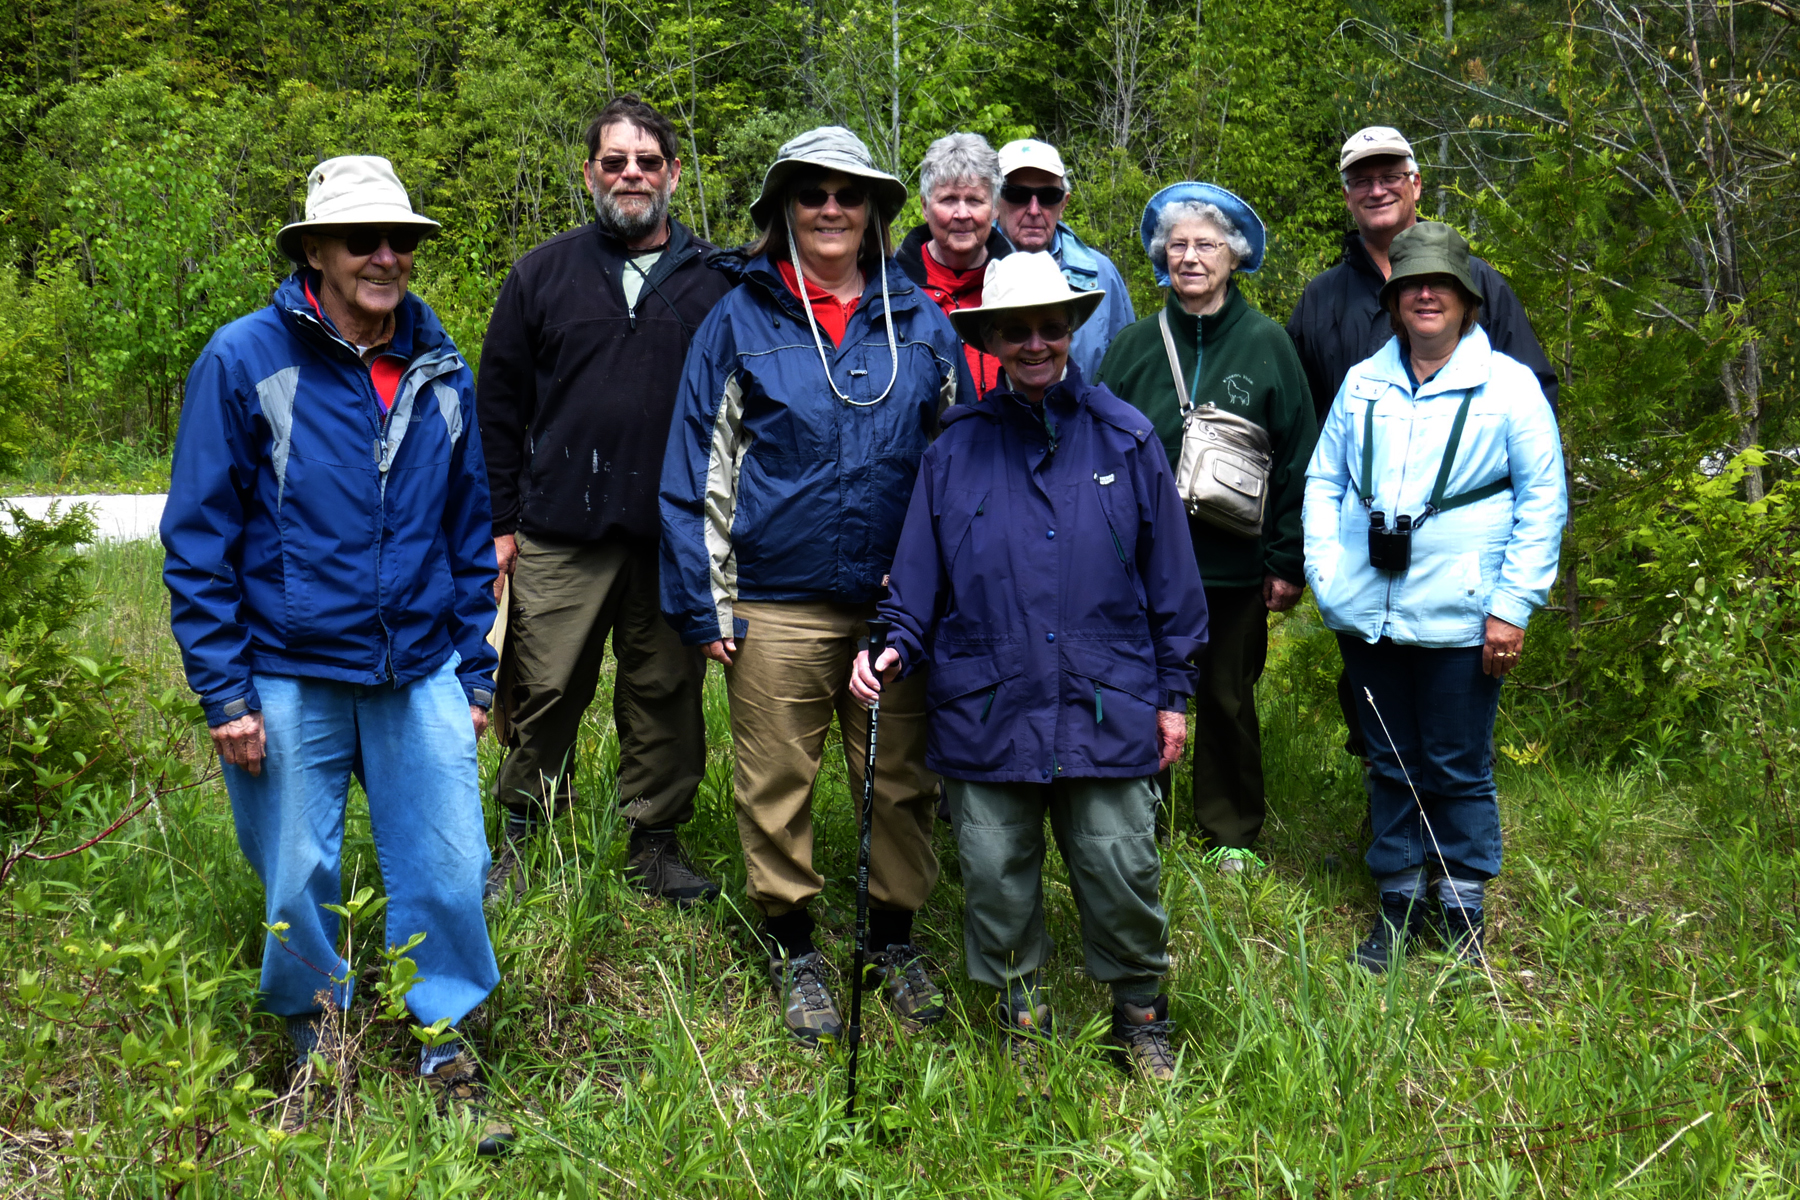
(578, 379)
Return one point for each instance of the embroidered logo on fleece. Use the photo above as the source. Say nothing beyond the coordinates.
(1237, 389)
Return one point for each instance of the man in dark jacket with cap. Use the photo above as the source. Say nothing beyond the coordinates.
(578, 378)
(1339, 321)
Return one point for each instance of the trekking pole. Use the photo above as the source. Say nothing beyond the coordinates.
(878, 631)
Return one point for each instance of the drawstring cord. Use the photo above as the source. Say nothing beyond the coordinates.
(886, 308)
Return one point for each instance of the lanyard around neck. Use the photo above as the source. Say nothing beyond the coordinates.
(1438, 502)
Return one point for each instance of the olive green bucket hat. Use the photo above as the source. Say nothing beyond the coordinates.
(1429, 248)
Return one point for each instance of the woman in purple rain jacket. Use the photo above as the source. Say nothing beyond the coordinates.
(1045, 578)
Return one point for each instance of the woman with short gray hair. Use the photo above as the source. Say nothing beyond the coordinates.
(947, 256)
(1206, 361)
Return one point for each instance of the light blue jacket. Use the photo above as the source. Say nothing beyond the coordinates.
(1496, 556)
(1087, 269)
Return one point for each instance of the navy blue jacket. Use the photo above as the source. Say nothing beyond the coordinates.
(307, 534)
(772, 487)
(1046, 576)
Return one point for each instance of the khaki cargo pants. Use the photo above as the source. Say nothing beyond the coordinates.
(790, 674)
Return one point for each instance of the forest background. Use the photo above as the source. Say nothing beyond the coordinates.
(1632, 168)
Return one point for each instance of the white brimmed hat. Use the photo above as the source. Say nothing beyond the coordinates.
(354, 189)
(1021, 281)
(1374, 142)
(1029, 152)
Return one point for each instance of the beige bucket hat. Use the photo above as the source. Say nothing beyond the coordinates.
(1021, 281)
(832, 148)
(353, 189)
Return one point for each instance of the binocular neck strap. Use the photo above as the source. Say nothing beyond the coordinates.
(1438, 502)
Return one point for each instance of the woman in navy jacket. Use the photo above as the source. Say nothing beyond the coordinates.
(1045, 580)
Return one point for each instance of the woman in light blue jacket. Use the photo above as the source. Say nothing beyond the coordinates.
(1434, 510)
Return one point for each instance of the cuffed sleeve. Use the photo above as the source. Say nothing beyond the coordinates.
(1174, 596)
(1293, 430)
(917, 583)
(1540, 509)
(468, 536)
(506, 402)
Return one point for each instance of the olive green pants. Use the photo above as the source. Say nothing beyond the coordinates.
(1106, 830)
(1229, 808)
(567, 599)
(790, 675)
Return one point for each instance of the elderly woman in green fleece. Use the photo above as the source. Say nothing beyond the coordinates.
(1199, 238)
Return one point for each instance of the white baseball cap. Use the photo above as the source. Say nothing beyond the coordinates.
(1029, 152)
(1373, 142)
(353, 189)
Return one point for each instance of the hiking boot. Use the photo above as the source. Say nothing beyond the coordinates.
(303, 1099)
(1140, 1036)
(506, 878)
(1401, 921)
(460, 1090)
(806, 1008)
(909, 990)
(1463, 930)
(1232, 860)
(1027, 1022)
(656, 866)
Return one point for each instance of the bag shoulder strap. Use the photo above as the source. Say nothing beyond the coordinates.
(1438, 502)
(1168, 339)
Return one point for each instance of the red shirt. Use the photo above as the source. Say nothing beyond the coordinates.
(953, 289)
(832, 314)
(384, 372)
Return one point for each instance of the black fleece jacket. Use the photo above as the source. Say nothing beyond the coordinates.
(1339, 322)
(577, 389)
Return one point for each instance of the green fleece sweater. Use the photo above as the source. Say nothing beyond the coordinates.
(1248, 367)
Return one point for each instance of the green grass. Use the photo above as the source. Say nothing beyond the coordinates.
(1636, 1033)
(86, 468)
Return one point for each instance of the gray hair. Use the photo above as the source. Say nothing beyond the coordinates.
(1411, 167)
(1193, 210)
(957, 157)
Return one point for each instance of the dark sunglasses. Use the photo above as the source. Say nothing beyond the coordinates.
(1018, 193)
(649, 164)
(847, 197)
(1018, 335)
(363, 241)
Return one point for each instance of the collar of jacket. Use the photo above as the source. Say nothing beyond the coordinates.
(1357, 256)
(761, 274)
(911, 255)
(416, 329)
(1470, 366)
(1213, 326)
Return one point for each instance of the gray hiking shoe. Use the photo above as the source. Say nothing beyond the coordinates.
(506, 878)
(655, 865)
(909, 990)
(459, 1090)
(806, 1008)
(1140, 1036)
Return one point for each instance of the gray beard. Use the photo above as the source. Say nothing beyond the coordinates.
(628, 226)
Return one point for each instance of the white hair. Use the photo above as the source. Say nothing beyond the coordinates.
(959, 158)
(1193, 210)
(1411, 167)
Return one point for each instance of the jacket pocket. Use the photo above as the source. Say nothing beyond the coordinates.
(1110, 696)
(974, 707)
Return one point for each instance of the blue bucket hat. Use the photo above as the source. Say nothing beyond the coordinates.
(1235, 210)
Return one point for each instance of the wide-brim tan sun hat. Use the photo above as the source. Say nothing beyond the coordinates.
(1019, 282)
(353, 189)
(829, 148)
(1429, 248)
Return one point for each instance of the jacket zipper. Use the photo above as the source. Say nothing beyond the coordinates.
(989, 706)
(1097, 716)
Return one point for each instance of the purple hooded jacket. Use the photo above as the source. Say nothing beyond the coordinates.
(1046, 576)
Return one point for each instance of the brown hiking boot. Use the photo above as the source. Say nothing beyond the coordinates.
(909, 990)
(1140, 1036)
(806, 1008)
(506, 878)
(459, 1090)
(656, 865)
(1025, 1018)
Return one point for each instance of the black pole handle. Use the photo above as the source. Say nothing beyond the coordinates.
(878, 635)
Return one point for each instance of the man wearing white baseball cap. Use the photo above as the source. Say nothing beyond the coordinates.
(1340, 321)
(330, 567)
(1033, 195)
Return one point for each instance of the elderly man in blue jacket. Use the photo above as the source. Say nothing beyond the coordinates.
(331, 569)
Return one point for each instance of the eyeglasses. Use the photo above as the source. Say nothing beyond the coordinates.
(1179, 250)
(615, 164)
(1438, 284)
(849, 196)
(363, 241)
(1362, 184)
(1018, 193)
(1018, 335)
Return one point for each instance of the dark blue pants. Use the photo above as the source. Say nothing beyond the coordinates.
(1431, 723)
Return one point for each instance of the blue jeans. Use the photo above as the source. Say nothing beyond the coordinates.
(1433, 714)
(416, 749)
